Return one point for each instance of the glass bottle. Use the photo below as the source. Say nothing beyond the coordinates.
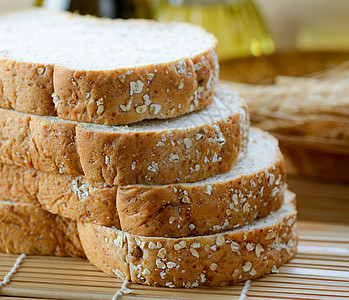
(237, 24)
(101, 8)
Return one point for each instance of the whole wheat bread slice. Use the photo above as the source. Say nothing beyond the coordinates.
(184, 149)
(102, 71)
(253, 188)
(212, 260)
(65, 195)
(26, 228)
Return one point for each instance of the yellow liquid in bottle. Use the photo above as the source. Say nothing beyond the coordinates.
(236, 24)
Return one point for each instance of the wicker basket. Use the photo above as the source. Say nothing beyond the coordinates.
(315, 145)
(320, 159)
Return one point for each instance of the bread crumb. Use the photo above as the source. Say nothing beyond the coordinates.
(250, 247)
(136, 87)
(146, 99)
(194, 252)
(153, 167)
(234, 246)
(195, 245)
(274, 269)
(181, 84)
(259, 249)
(182, 67)
(253, 272)
(187, 142)
(55, 100)
(154, 109)
(220, 240)
(173, 157)
(191, 226)
(133, 165)
(150, 76)
(198, 66)
(162, 253)
(213, 267)
(141, 109)
(160, 264)
(208, 190)
(247, 266)
(40, 71)
(270, 235)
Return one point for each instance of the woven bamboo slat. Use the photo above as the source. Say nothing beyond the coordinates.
(319, 271)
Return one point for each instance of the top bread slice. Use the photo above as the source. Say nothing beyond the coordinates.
(188, 148)
(104, 71)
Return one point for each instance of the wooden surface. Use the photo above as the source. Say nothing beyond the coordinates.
(319, 271)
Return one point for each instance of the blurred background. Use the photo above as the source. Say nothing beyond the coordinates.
(243, 27)
(286, 53)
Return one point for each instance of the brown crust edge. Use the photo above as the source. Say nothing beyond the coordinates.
(177, 210)
(28, 229)
(213, 260)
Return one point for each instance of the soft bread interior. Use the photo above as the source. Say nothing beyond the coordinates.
(41, 36)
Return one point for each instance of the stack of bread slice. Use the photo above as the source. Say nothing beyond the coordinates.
(117, 142)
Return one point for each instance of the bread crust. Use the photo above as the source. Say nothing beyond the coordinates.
(160, 157)
(212, 260)
(121, 157)
(23, 89)
(107, 97)
(65, 195)
(181, 210)
(26, 228)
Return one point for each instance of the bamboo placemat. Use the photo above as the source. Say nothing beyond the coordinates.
(319, 271)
